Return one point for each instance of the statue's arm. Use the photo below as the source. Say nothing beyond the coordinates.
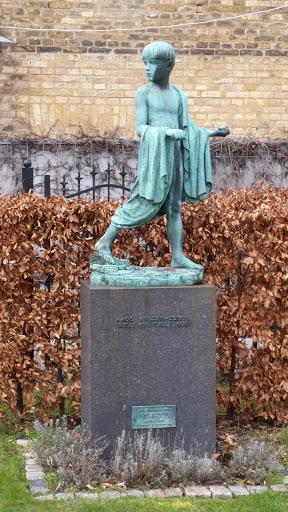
(222, 131)
(141, 112)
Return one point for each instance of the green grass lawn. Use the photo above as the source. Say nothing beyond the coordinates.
(15, 496)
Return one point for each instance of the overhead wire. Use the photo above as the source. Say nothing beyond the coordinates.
(154, 27)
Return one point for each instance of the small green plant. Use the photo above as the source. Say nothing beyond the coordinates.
(185, 467)
(72, 452)
(206, 470)
(179, 466)
(144, 460)
(284, 437)
(251, 461)
(140, 460)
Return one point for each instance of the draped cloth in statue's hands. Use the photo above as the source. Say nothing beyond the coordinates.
(156, 163)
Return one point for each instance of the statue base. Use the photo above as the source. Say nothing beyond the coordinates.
(148, 360)
(109, 271)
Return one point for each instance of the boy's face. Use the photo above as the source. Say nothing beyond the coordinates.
(157, 70)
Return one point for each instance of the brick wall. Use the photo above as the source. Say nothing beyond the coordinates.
(57, 84)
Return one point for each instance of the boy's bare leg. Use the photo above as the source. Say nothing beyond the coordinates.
(174, 221)
(103, 246)
(104, 243)
(174, 231)
(103, 249)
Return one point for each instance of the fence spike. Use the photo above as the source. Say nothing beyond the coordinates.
(63, 183)
(27, 176)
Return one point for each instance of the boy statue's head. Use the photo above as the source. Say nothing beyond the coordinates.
(159, 50)
(159, 59)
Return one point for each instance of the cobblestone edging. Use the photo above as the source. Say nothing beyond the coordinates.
(37, 484)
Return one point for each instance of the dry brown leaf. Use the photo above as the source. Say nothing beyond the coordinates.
(241, 239)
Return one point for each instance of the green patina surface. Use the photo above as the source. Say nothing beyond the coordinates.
(153, 416)
(109, 271)
(174, 165)
(113, 275)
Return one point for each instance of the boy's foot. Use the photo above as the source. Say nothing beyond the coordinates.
(183, 262)
(103, 256)
(102, 247)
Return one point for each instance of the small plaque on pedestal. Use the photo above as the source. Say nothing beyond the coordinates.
(153, 416)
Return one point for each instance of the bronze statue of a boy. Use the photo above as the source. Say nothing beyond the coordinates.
(174, 158)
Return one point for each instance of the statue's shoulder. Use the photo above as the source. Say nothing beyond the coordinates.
(183, 102)
(181, 93)
(143, 89)
(141, 92)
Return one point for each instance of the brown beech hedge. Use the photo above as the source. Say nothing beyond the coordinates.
(240, 238)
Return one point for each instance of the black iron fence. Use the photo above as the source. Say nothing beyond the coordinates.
(108, 185)
(235, 164)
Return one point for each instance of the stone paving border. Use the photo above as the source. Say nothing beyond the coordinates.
(37, 484)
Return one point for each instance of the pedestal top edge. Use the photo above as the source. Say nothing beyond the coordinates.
(88, 284)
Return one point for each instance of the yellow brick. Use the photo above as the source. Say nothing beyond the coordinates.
(88, 14)
(250, 87)
(100, 85)
(59, 5)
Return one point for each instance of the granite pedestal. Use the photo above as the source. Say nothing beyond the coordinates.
(151, 346)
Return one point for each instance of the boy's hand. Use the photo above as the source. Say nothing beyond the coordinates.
(222, 131)
(175, 133)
